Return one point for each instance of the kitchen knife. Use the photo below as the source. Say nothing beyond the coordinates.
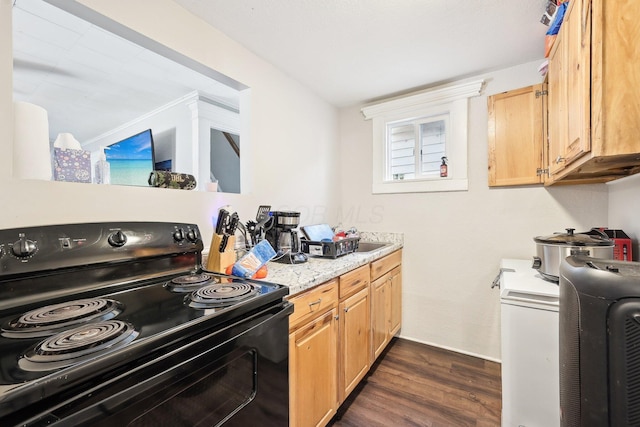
(223, 243)
(233, 224)
(229, 230)
(222, 219)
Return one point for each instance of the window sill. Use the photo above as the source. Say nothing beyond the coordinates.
(417, 186)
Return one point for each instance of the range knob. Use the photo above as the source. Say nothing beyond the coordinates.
(117, 239)
(24, 247)
(178, 235)
(192, 235)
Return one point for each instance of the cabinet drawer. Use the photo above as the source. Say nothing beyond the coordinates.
(309, 304)
(353, 281)
(381, 266)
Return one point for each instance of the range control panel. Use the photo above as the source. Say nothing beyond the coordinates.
(33, 249)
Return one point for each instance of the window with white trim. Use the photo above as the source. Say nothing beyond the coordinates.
(415, 135)
(417, 147)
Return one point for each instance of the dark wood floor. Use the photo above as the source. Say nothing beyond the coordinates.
(413, 384)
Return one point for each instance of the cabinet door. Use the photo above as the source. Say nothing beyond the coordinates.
(557, 106)
(577, 41)
(570, 89)
(355, 332)
(517, 139)
(380, 309)
(615, 72)
(395, 319)
(313, 372)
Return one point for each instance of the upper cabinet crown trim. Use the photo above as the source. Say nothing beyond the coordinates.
(437, 95)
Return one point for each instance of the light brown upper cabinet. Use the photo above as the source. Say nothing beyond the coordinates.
(592, 109)
(594, 93)
(517, 136)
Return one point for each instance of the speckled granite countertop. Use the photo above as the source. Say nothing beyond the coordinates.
(317, 270)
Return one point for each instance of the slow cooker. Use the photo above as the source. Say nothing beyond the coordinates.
(552, 250)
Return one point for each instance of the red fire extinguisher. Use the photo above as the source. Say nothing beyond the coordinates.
(443, 168)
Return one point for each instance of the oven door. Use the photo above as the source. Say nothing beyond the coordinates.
(235, 376)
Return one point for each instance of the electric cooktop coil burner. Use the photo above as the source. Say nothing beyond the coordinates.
(221, 294)
(189, 282)
(77, 344)
(52, 319)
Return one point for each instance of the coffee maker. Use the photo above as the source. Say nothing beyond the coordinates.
(284, 239)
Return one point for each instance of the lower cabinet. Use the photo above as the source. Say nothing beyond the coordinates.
(354, 341)
(313, 371)
(386, 302)
(396, 301)
(380, 307)
(333, 332)
(313, 361)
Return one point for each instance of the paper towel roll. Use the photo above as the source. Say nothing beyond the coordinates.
(66, 140)
(31, 151)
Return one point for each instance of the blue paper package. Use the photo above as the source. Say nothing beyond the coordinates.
(249, 264)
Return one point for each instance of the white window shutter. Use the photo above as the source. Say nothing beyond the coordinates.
(433, 145)
(402, 151)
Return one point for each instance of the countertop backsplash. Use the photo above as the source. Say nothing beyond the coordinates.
(379, 236)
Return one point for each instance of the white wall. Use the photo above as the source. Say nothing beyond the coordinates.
(454, 241)
(624, 209)
(285, 120)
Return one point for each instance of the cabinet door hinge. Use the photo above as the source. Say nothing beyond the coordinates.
(540, 93)
(541, 171)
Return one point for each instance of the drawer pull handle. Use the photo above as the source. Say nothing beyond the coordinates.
(311, 304)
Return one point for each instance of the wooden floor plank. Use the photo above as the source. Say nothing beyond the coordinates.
(416, 385)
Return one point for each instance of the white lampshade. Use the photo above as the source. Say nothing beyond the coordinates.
(66, 140)
(31, 151)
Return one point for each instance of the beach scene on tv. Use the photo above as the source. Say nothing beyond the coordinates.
(131, 160)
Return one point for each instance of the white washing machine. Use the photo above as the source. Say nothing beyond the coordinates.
(530, 357)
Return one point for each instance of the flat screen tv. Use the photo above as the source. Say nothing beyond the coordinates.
(132, 159)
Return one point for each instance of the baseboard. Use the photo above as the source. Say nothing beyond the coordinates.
(444, 347)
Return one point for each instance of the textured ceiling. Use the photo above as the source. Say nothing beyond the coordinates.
(352, 51)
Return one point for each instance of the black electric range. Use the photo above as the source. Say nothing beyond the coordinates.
(105, 322)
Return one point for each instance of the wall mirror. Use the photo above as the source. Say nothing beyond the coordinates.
(103, 82)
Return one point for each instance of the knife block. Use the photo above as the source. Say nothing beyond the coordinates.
(219, 261)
